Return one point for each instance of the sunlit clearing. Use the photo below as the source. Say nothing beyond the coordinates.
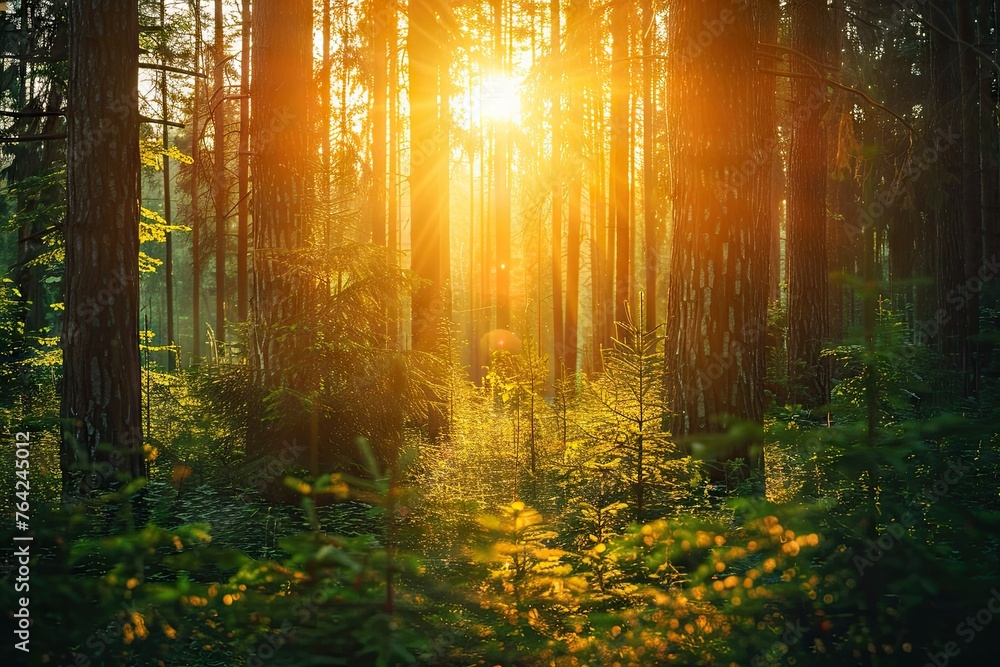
(499, 99)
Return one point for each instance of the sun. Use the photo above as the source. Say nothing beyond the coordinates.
(500, 99)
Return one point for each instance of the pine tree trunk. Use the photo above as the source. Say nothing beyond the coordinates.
(574, 205)
(282, 158)
(168, 264)
(243, 175)
(392, 219)
(196, 221)
(990, 170)
(378, 121)
(620, 158)
(558, 332)
(650, 196)
(808, 317)
(219, 180)
(972, 196)
(718, 287)
(443, 167)
(425, 193)
(101, 396)
(951, 331)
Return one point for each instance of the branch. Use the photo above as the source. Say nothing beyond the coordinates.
(863, 95)
(175, 70)
(787, 49)
(953, 36)
(31, 114)
(32, 58)
(32, 137)
(39, 235)
(168, 123)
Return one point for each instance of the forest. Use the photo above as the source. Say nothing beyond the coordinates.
(510, 333)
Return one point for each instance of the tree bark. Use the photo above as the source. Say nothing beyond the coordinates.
(168, 264)
(282, 158)
(392, 219)
(972, 195)
(650, 195)
(573, 132)
(558, 332)
(620, 158)
(425, 193)
(808, 277)
(952, 333)
(220, 181)
(718, 288)
(243, 174)
(101, 396)
(196, 221)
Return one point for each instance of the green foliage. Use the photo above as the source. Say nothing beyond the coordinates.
(626, 433)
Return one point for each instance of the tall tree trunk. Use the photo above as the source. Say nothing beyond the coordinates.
(620, 158)
(840, 204)
(101, 396)
(168, 264)
(650, 196)
(220, 181)
(558, 347)
(501, 193)
(972, 195)
(326, 123)
(196, 221)
(990, 174)
(808, 297)
(392, 220)
(718, 287)
(574, 130)
(443, 166)
(243, 175)
(378, 121)
(989, 168)
(952, 333)
(282, 144)
(425, 193)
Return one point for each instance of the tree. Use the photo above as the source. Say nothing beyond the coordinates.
(283, 146)
(631, 390)
(501, 188)
(576, 73)
(972, 196)
(620, 157)
(649, 185)
(425, 192)
(952, 338)
(195, 206)
(243, 175)
(101, 395)
(220, 180)
(808, 320)
(558, 333)
(717, 303)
